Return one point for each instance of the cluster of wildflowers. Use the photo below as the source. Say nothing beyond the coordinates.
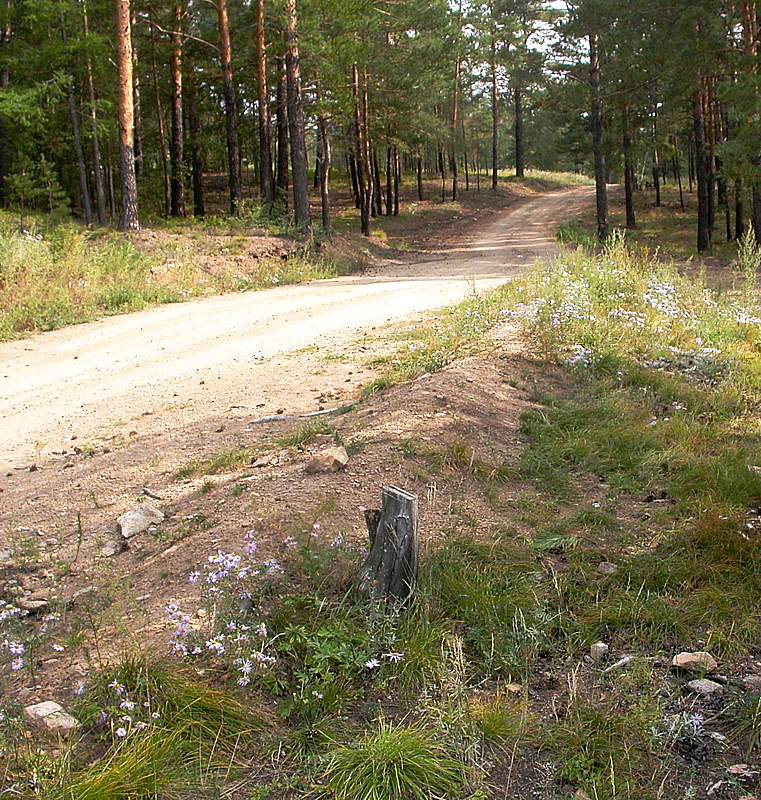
(377, 661)
(229, 583)
(663, 298)
(10, 645)
(125, 715)
(579, 356)
(745, 317)
(631, 319)
(16, 651)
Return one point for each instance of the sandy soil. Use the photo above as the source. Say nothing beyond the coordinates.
(163, 369)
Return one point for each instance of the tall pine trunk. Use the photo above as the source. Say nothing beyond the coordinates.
(701, 173)
(100, 190)
(128, 217)
(160, 123)
(601, 188)
(494, 108)
(138, 146)
(631, 219)
(362, 156)
(266, 180)
(231, 112)
(296, 124)
(6, 33)
(322, 126)
(76, 135)
(176, 150)
(520, 155)
(282, 183)
(453, 129)
(196, 149)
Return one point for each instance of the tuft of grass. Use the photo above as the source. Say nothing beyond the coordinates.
(57, 275)
(395, 760)
(224, 461)
(307, 432)
(193, 731)
(605, 749)
(491, 591)
(454, 333)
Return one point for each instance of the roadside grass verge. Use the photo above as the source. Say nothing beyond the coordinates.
(546, 181)
(61, 275)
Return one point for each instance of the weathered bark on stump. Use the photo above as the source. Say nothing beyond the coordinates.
(390, 570)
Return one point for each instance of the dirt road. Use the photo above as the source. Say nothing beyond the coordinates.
(181, 363)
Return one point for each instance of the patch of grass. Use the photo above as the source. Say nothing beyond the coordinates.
(394, 761)
(454, 333)
(606, 749)
(57, 275)
(491, 591)
(547, 181)
(224, 461)
(180, 732)
(307, 432)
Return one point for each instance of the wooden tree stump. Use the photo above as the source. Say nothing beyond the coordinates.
(390, 570)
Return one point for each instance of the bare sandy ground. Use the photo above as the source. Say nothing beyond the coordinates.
(180, 364)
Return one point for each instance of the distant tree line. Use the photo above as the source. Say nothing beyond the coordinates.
(122, 109)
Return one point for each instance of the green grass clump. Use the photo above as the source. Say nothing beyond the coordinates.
(395, 761)
(453, 334)
(62, 274)
(491, 591)
(190, 731)
(605, 749)
(307, 432)
(224, 461)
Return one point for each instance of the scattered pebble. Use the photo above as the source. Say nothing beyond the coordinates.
(599, 651)
(694, 662)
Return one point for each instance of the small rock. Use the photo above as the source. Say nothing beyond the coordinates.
(742, 771)
(598, 651)
(6, 555)
(607, 568)
(51, 718)
(331, 460)
(694, 662)
(113, 548)
(138, 520)
(752, 683)
(262, 461)
(31, 605)
(705, 688)
(580, 794)
(622, 663)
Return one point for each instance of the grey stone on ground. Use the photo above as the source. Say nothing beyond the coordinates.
(51, 718)
(622, 663)
(138, 520)
(598, 651)
(705, 688)
(114, 547)
(331, 460)
(31, 605)
(694, 662)
(607, 568)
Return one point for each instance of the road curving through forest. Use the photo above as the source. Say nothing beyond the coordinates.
(183, 362)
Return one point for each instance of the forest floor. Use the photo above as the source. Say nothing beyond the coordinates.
(584, 445)
(667, 229)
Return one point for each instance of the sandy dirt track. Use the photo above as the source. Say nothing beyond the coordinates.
(179, 363)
